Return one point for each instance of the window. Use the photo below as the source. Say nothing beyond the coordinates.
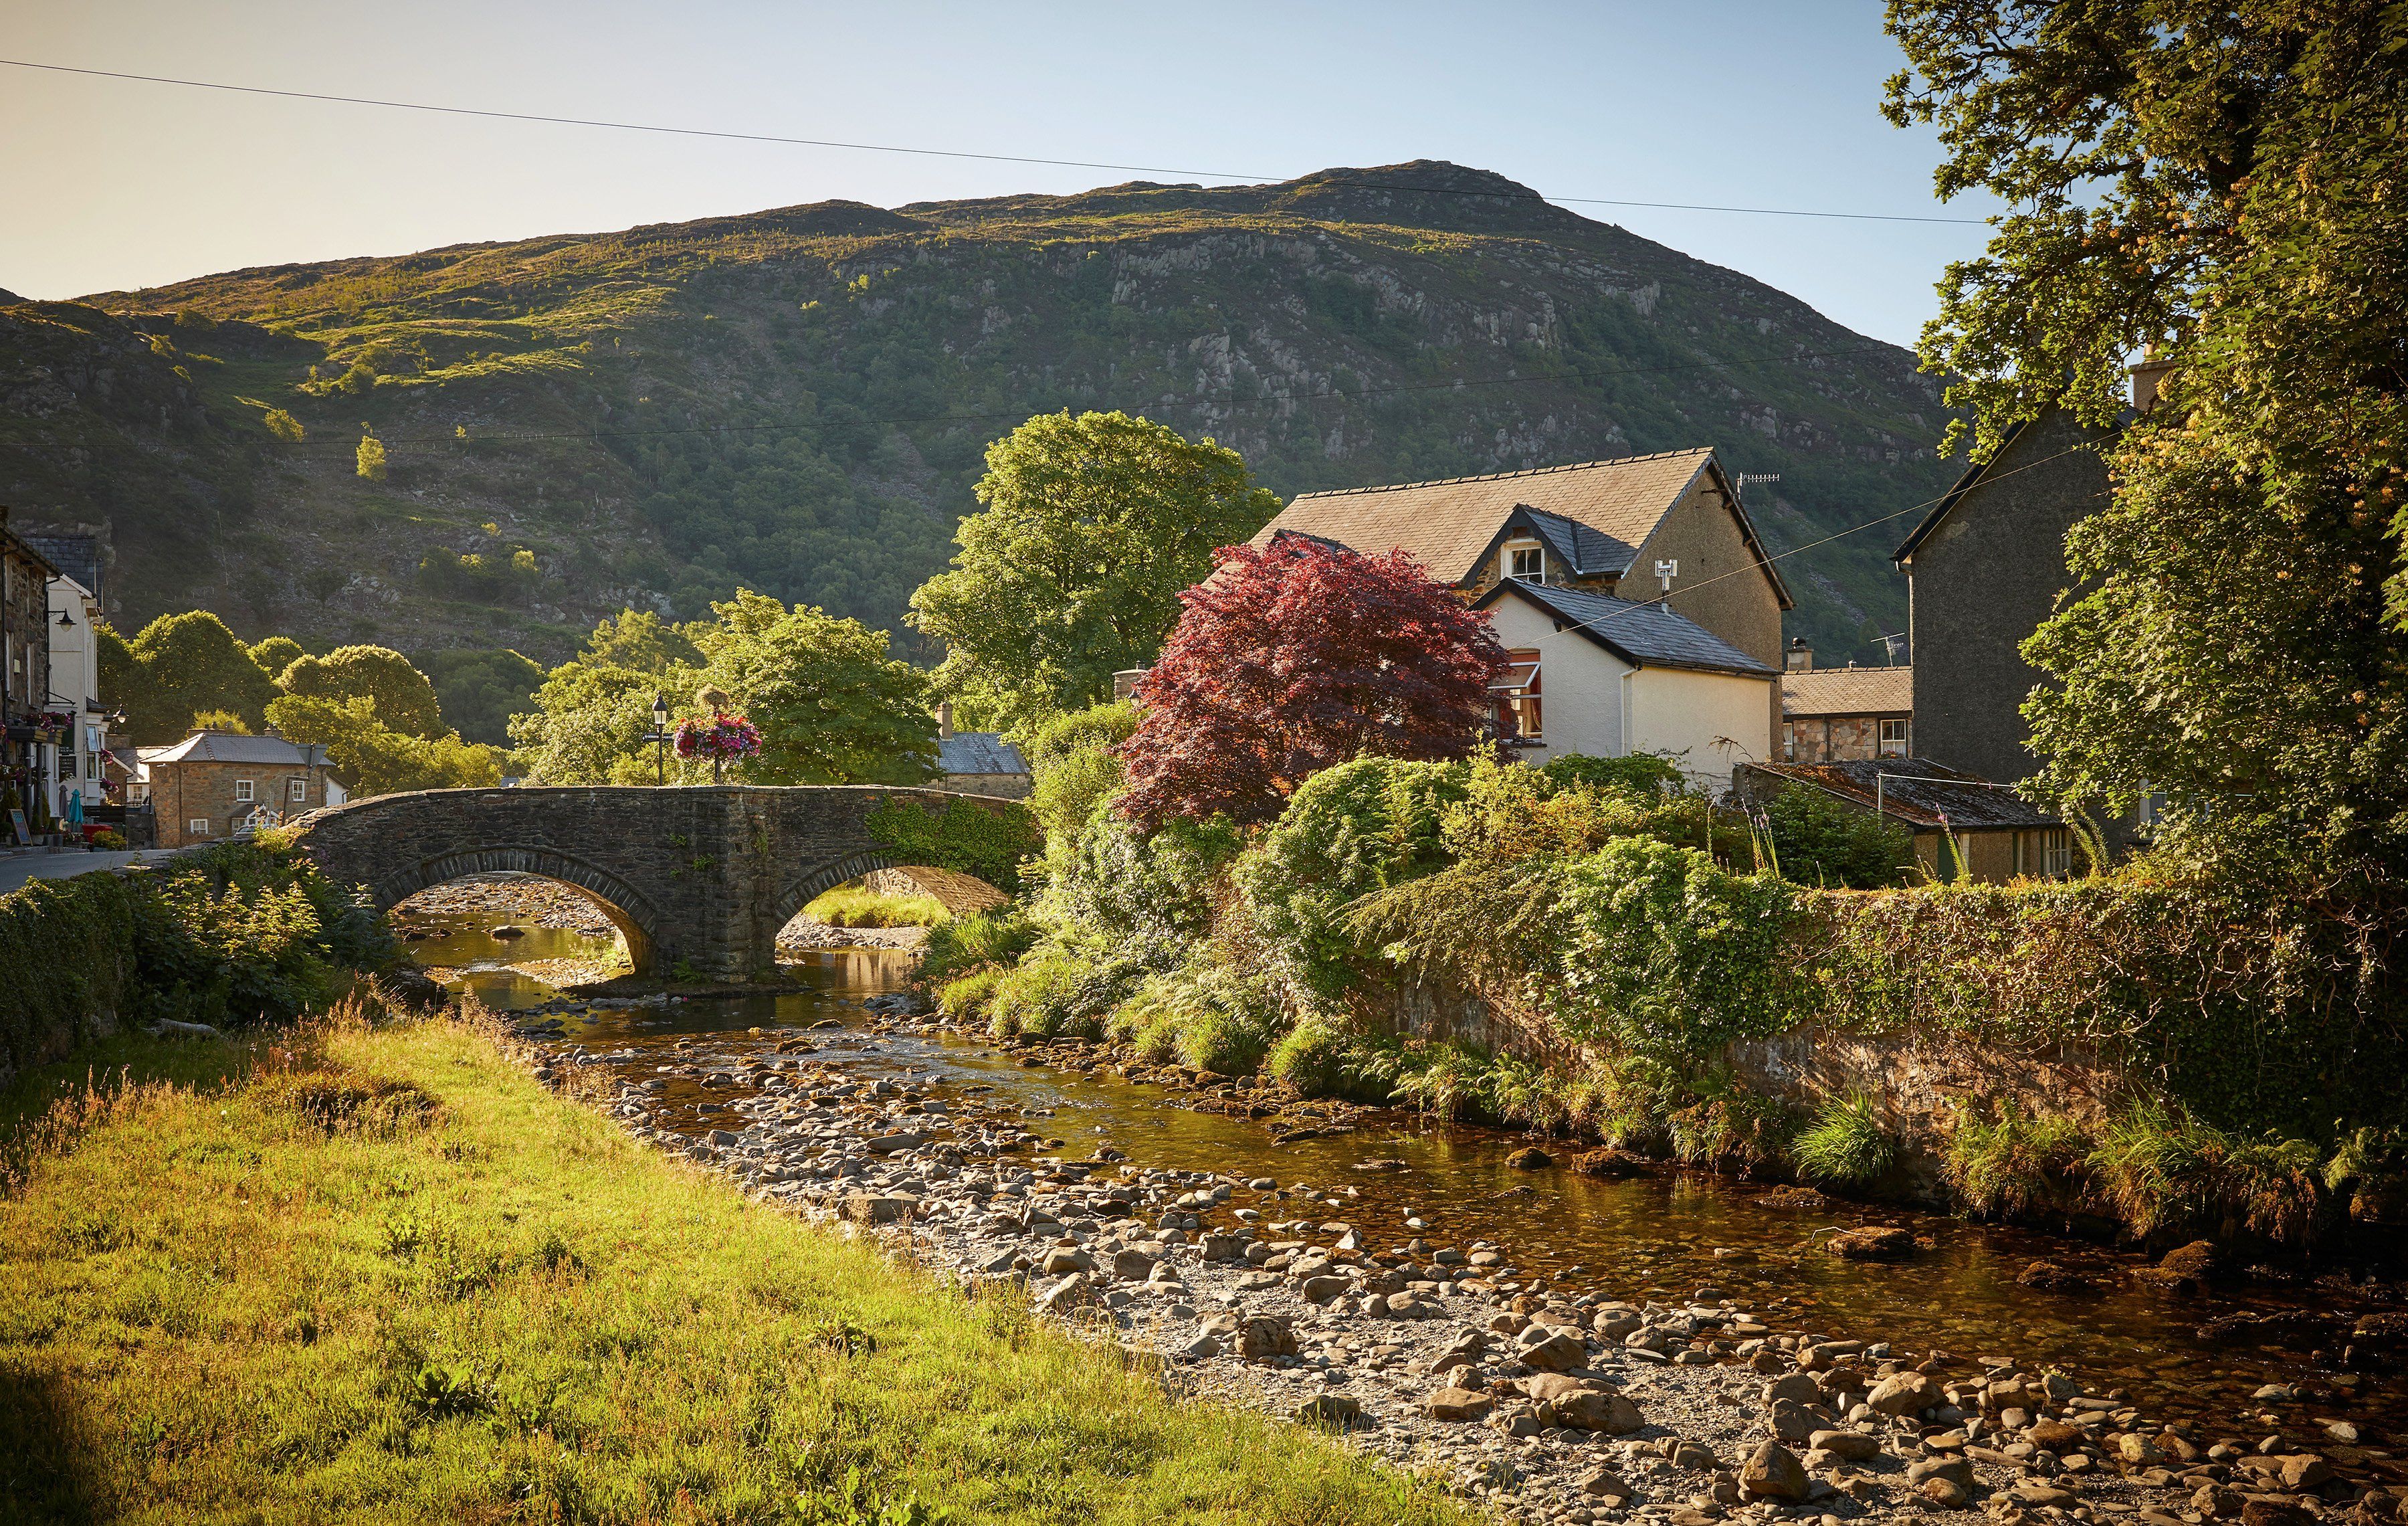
(2056, 852)
(241, 790)
(300, 790)
(1893, 739)
(1527, 563)
(1514, 695)
(199, 825)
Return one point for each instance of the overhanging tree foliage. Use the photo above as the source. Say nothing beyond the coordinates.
(2224, 183)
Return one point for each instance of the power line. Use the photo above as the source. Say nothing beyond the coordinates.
(596, 434)
(953, 153)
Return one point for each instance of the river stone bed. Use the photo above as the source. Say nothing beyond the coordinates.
(1544, 1404)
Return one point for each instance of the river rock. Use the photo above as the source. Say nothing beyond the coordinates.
(1334, 1411)
(2217, 1503)
(2049, 1277)
(1064, 1259)
(1224, 1248)
(1609, 1164)
(889, 1143)
(1770, 1472)
(1847, 1445)
(2184, 1267)
(2055, 1435)
(1202, 1349)
(1795, 1387)
(1322, 1290)
(1530, 1158)
(1131, 1265)
(1873, 1243)
(1790, 1421)
(1556, 1352)
(877, 1208)
(1955, 1469)
(1902, 1393)
(1265, 1336)
(1606, 1485)
(2264, 1511)
(1071, 1292)
(1593, 1409)
(2044, 1496)
(2305, 1471)
(1458, 1404)
(1947, 1493)
(2138, 1450)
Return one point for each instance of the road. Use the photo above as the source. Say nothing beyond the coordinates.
(16, 869)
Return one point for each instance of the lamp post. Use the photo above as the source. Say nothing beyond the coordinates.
(659, 737)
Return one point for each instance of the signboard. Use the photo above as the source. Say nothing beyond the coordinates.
(19, 826)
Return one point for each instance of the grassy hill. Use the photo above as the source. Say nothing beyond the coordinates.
(799, 399)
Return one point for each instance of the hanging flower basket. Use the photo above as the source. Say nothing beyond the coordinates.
(724, 739)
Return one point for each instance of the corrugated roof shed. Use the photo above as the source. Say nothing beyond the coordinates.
(1446, 525)
(1646, 635)
(1917, 792)
(979, 752)
(1848, 691)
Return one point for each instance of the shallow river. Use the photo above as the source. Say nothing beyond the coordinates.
(1651, 1236)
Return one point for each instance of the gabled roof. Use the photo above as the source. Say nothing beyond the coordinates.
(1641, 635)
(979, 752)
(226, 747)
(1598, 513)
(1848, 691)
(1917, 792)
(1964, 484)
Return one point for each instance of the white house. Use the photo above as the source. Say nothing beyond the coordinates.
(1610, 677)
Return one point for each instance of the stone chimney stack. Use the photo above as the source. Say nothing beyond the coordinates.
(945, 720)
(2147, 377)
(1800, 657)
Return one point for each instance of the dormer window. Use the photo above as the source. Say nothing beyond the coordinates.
(1527, 563)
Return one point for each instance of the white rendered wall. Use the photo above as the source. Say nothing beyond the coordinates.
(1698, 719)
(1579, 684)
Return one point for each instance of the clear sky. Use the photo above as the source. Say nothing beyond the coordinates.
(106, 184)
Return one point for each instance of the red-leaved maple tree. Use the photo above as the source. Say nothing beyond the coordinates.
(1296, 656)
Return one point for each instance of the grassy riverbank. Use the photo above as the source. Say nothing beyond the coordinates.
(385, 1274)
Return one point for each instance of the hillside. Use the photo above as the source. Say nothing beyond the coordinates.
(799, 399)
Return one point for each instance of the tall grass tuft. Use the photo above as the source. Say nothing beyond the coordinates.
(2017, 1166)
(852, 906)
(1846, 1143)
(2163, 1170)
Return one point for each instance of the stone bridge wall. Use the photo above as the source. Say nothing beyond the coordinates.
(701, 876)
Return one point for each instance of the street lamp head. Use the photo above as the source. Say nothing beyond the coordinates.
(66, 621)
(659, 712)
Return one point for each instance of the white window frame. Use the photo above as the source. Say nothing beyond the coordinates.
(1882, 741)
(197, 827)
(244, 792)
(298, 791)
(1513, 553)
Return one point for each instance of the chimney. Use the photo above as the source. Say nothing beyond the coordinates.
(2147, 377)
(1124, 682)
(1800, 657)
(944, 720)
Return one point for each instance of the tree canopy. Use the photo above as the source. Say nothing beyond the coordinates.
(184, 664)
(405, 699)
(480, 688)
(1296, 657)
(1071, 570)
(2224, 184)
(832, 706)
(370, 757)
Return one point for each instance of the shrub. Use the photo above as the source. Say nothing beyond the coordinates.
(1075, 767)
(1644, 774)
(2016, 1166)
(968, 995)
(2164, 1170)
(108, 839)
(1061, 990)
(1216, 1018)
(1319, 1060)
(989, 840)
(1666, 955)
(1820, 840)
(1350, 830)
(1153, 893)
(964, 944)
(1846, 1143)
(1726, 1125)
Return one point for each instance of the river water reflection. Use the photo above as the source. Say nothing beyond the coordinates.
(1656, 1236)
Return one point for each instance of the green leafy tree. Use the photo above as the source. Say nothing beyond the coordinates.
(832, 706)
(185, 664)
(120, 674)
(1820, 840)
(276, 654)
(481, 689)
(1076, 769)
(370, 757)
(370, 456)
(1091, 528)
(2222, 183)
(405, 699)
(642, 642)
(586, 727)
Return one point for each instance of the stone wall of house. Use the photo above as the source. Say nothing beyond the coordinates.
(183, 793)
(1001, 786)
(1834, 739)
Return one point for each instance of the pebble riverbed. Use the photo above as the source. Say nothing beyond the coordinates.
(1544, 1404)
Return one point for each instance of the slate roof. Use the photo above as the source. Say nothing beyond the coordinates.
(1643, 635)
(77, 557)
(1917, 792)
(1596, 513)
(979, 752)
(226, 747)
(1848, 691)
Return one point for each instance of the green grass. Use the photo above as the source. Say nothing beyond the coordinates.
(2017, 1166)
(851, 906)
(386, 1275)
(1846, 1143)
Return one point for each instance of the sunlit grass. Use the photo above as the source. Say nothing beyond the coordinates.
(852, 906)
(386, 1275)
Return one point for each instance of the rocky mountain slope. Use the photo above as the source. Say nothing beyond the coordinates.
(798, 400)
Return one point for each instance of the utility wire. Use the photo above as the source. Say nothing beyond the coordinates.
(346, 444)
(953, 154)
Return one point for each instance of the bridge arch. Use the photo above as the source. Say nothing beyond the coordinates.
(626, 908)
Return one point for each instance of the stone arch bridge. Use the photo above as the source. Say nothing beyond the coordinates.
(703, 876)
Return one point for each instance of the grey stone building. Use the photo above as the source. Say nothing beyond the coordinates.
(1984, 568)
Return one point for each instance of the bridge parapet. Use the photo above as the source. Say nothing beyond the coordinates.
(703, 876)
